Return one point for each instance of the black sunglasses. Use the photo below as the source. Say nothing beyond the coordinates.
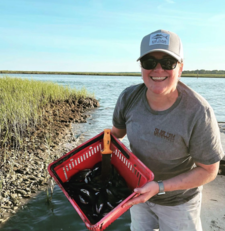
(166, 63)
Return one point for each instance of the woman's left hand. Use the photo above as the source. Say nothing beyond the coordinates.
(147, 191)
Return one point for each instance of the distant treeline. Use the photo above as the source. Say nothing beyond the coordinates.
(194, 73)
(202, 71)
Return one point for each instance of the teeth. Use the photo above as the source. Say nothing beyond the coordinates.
(158, 78)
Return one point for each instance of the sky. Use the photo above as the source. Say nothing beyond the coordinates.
(105, 35)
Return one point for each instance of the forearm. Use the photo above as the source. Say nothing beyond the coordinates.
(118, 133)
(196, 177)
(200, 175)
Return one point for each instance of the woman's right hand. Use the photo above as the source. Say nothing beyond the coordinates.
(145, 192)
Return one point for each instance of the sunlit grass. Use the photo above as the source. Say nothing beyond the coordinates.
(22, 101)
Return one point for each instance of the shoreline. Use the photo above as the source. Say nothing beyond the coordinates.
(24, 173)
(134, 74)
(69, 143)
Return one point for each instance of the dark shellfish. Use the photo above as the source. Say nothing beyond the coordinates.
(95, 198)
(80, 176)
(101, 199)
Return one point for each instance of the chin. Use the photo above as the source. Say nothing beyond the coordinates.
(158, 91)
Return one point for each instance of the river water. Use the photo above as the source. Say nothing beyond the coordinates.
(37, 215)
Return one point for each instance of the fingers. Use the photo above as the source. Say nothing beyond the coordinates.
(150, 186)
(140, 199)
(145, 193)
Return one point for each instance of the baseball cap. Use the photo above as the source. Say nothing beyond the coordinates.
(164, 41)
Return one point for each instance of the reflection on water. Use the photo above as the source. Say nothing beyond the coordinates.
(38, 215)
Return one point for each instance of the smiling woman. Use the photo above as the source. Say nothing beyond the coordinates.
(161, 79)
(159, 68)
(174, 132)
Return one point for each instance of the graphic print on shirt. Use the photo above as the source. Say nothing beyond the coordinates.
(163, 134)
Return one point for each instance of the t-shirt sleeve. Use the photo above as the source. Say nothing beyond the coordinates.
(205, 143)
(118, 114)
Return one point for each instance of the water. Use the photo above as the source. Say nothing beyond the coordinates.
(60, 215)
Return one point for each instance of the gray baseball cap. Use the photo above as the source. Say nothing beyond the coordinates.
(164, 41)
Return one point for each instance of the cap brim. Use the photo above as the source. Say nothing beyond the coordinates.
(177, 57)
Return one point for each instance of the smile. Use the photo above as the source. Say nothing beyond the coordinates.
(158, 78)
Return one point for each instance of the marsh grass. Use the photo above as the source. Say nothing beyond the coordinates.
(22, 102)
(1, 183)
(50, 190)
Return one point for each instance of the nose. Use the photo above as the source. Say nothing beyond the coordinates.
(158, 67)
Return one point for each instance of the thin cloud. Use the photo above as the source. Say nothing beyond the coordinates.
(217, 18)
(170, 1)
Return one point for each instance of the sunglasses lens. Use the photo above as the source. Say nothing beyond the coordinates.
(149, 63)
(168, 64)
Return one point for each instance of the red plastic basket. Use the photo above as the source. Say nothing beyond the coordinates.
(86, 156)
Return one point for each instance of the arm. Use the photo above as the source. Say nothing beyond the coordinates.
(118, 133)
(200, 175)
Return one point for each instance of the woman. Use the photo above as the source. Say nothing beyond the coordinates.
(174, 132)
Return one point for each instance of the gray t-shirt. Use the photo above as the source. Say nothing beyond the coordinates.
(169, 142)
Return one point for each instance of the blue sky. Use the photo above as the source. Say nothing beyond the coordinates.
(105, 35)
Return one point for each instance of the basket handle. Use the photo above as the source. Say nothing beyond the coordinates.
(106, 141)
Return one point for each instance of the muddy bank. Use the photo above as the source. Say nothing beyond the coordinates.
(23, 170)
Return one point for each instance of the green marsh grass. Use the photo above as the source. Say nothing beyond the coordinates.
(22, 102)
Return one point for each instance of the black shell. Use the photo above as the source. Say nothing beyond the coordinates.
(96, 198)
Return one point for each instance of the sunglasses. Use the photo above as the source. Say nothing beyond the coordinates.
(166, 63)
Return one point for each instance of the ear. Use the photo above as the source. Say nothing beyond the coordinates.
(180, 69)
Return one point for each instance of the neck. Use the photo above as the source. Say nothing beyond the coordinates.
(161, 102)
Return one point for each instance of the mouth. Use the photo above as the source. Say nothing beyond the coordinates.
(158, 79)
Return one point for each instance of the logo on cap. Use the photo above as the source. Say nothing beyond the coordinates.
(159, 38)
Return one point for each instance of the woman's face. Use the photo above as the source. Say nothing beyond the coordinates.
(160, 81)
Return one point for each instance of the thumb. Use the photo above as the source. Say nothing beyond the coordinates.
(141, 190)
(146, 188)
(138, 190)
